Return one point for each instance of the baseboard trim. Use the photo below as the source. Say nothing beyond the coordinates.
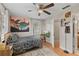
(50, 44)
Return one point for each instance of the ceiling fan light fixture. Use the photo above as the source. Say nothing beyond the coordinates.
(41, 8)
(40, 11)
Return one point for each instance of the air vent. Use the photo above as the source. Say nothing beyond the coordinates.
(29, 10)
(66, 7)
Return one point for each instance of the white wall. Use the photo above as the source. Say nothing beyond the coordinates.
(52, 32)
(1, 11)
(4, 22)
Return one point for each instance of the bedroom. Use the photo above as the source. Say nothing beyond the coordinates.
(17, 24)
(26, 26)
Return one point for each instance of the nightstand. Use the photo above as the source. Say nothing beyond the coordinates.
(5, 50)
(43, 38)
(10, 49)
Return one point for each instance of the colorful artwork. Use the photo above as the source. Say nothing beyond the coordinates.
(19, 24)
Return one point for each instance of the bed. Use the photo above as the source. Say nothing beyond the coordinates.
(23, 44)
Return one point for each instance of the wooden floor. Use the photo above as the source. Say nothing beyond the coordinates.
(57, 50)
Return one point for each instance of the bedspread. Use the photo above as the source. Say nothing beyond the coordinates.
(22, 44)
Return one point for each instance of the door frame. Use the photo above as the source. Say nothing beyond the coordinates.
(57, 41)
(75, 19)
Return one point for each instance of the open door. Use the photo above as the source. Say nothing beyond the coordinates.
(56, 34)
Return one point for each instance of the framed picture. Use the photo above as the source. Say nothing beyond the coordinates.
(68, 14)
(19, 25)
(67, 29)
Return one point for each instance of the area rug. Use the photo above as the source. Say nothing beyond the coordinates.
(40, 52)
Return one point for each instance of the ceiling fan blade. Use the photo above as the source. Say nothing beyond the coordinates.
(48, 6)
(46, 12)
(66, 7)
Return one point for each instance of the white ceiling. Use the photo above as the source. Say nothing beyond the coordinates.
(21, 9)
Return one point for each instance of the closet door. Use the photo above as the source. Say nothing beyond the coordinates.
(69, 37)
(62, 38)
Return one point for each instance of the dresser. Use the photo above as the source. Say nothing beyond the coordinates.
(43, 38)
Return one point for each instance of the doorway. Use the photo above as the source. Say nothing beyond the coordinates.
(56, 34)
(77, 37)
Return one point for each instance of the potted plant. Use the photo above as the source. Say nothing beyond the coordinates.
(47, 34)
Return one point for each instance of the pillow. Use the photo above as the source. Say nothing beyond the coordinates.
(12, 39)
(9, 40)
(15, 37)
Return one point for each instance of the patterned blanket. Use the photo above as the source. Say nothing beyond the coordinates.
(22, 44)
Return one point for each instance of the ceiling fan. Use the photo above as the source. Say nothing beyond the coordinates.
(42, 8)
